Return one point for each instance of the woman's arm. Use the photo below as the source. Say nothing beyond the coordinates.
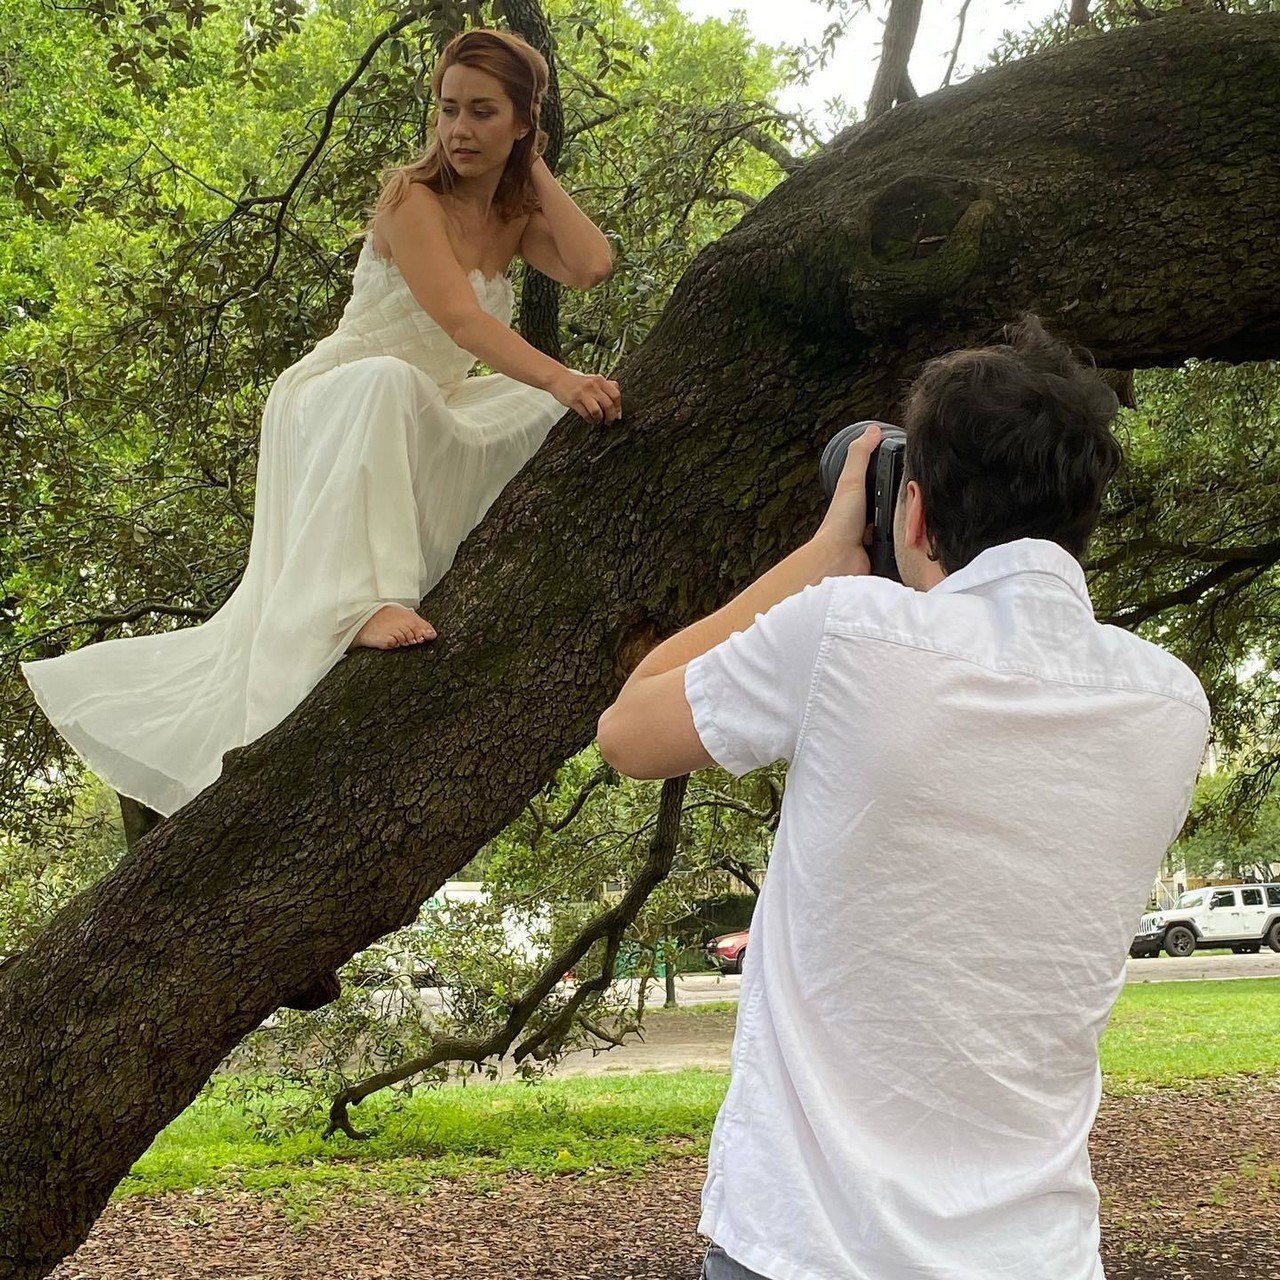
(560, 240)
(416, 232)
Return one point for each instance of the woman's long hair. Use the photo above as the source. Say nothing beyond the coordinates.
(522, 71)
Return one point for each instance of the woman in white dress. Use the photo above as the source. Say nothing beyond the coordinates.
(378, 454)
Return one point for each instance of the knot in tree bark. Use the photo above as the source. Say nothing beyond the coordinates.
(918, 240)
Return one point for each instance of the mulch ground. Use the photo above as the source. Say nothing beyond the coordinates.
(1190, 1182)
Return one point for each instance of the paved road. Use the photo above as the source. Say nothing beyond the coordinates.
(711, 988)
(706, 988)
(1214, 964)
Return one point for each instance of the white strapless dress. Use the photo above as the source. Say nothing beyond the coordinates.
(378, 456)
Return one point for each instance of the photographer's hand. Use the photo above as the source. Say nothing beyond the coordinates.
(844, 528)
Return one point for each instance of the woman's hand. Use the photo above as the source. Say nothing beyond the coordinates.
(589, 395)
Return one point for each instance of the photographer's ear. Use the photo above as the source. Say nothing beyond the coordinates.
(914, 534)
(916, 561)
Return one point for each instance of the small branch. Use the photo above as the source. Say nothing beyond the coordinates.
(1264, 553)
(739, 872)
(600, 776)
(771, 147)
(609, 925)
(955, 49)
(729, 193)
(594, 122)
(1133, 615)
(591, 1028)
(729, 802)
(101, 622)
(284, 199)
(1079, 15)
(178, 167)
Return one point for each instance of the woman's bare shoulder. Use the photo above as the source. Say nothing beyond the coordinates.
(420, 206)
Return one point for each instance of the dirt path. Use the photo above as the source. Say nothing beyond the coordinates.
(1190, 1182)
(671, 1041)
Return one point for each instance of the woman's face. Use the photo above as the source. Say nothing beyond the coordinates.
(476, 122)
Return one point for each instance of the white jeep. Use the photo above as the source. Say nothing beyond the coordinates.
(1239, 916)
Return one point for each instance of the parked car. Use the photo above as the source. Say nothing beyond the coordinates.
(1240, 916)
(728, 951)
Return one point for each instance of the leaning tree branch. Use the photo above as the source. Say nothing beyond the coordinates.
(662, 852)
(610, 926)
(891, 84)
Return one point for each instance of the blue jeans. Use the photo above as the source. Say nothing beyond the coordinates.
(717, 1265)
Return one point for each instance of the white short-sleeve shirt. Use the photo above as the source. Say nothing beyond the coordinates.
(982, 783)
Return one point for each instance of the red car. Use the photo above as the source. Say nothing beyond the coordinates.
(728, 951)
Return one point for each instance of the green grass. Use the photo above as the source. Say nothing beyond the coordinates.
(1160, 1034)
(1168, 1033)
(613, 1123)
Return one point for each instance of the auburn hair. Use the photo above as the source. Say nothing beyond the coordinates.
(522, 71)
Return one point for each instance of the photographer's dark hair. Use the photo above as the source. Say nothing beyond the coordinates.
(1010, 441)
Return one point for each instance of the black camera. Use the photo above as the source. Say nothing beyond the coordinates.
(884, 477)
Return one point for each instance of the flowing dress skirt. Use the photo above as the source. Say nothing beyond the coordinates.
(371, 473)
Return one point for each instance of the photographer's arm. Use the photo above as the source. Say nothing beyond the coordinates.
(649, 731)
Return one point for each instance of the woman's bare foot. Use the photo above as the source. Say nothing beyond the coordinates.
(393, 627)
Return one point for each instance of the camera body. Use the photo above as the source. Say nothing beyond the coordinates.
(884, 478)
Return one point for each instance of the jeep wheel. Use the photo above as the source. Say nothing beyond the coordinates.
(1180, 941)
(1273, 936)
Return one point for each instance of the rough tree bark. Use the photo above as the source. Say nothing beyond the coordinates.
(539, 319)
(1125, 187)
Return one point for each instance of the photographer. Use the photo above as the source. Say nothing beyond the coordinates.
(915, 1069)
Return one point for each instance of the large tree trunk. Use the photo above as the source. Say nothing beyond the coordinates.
(539, 318)
(1125, 187)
